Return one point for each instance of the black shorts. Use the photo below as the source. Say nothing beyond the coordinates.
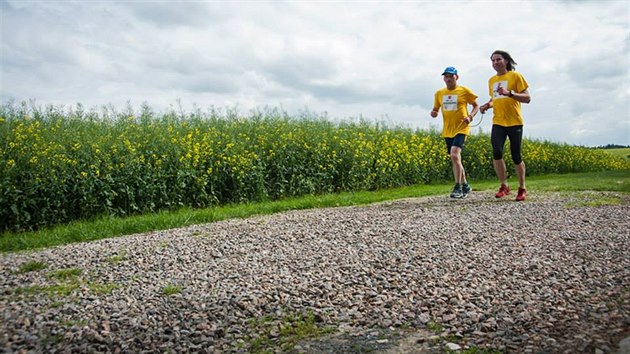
(459, 140)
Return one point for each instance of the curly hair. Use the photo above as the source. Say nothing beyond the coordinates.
(507, 57)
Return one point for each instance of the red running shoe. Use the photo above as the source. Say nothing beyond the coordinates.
(522, 193)
(503, 191)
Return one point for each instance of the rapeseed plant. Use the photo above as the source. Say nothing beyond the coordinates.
(60, 165)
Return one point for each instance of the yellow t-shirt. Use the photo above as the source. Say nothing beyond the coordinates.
(507, 111)
(454, 104)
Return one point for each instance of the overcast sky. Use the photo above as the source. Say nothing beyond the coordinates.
(381, 60)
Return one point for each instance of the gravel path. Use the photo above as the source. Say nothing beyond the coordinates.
(421, 275)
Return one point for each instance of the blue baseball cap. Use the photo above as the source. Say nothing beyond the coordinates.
(450, 70)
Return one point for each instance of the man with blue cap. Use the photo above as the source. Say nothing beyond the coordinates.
(454, 100)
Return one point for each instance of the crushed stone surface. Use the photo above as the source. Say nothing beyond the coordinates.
(419, 275)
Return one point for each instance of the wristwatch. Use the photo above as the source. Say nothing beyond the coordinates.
(511, 93)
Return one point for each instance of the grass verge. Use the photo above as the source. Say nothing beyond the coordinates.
(621, 152)
(112, 227)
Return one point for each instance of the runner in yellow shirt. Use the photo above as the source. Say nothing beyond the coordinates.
(454, 101)
(508, 89)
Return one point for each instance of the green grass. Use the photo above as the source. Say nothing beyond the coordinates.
(102, 289)
(62, 290)
(595, 201)
(283, 332)
(66, 274)
(113, 260)
(621, 152)
(68, 280)
(171, 290)
(32, 266)
(112, 227)
(435, 327)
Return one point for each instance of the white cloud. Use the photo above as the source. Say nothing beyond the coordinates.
(379, 60)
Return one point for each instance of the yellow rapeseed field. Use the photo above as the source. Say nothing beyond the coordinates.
(60, 165)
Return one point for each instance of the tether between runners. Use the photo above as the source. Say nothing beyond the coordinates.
(476, 125)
